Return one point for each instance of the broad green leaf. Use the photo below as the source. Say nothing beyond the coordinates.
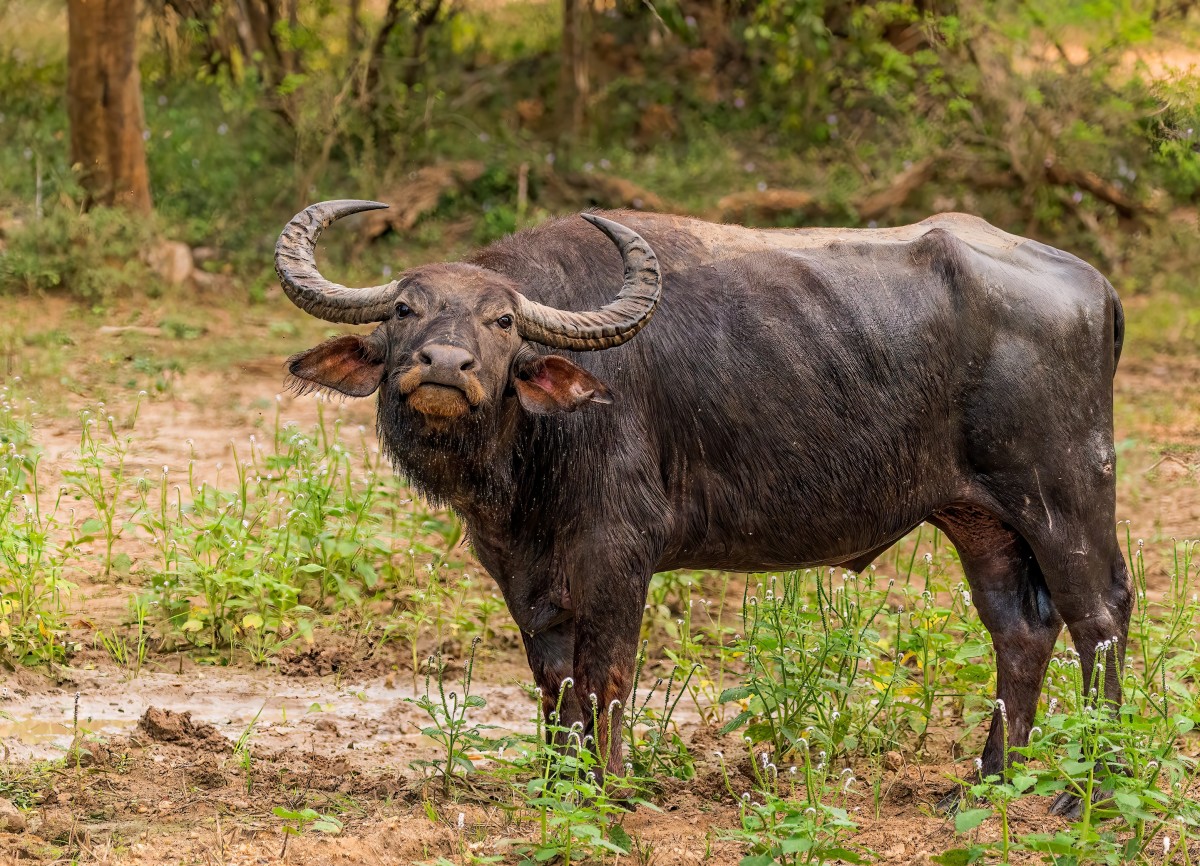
(969, 819)
(91, 526)
(758, 860)
(736, 722)
(737, 693)
(618, 836)
(959, 856)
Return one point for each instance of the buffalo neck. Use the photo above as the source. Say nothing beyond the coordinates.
(469, 467)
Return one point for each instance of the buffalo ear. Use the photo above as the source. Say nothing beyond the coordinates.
(550, 383)
(350, 365)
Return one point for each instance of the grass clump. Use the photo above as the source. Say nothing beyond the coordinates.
(91, 257)
(37, 541)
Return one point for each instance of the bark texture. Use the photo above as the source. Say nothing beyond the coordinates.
(104, 103)
(574, 82)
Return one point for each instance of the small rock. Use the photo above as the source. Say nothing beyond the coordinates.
(116, 330)
(171, 260)
(11, 819)
(209, 282)
(204, 255)
(893, 761)
(58, 827)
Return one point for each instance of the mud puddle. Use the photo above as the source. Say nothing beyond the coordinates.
(372, 715)
(277, 712)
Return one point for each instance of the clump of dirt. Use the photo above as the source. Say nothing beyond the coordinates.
(167, 726)
(335, 654)
(296, 769)
(209, 773)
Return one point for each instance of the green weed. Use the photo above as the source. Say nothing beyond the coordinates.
(297, 821)
(451, 730)
(33, 552)
(565, 796)
(652, 740)
(791, 817)
(128, 653)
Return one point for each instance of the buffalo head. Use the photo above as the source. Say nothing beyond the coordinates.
(453, 339)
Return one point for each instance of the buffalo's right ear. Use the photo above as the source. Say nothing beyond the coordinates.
(350, 365)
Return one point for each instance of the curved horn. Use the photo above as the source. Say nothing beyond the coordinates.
(297, 269)
(615, 322)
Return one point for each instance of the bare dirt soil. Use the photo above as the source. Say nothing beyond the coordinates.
(152, 775)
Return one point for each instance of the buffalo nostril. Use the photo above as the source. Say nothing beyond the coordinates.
(446, 359)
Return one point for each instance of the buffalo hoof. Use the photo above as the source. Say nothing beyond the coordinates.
(951, 802)
(1070, 806)
(1067, 806)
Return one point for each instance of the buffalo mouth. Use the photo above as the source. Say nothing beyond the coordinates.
(442, 402)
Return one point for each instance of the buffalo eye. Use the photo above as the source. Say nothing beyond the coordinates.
(403, 311)
(505, 322)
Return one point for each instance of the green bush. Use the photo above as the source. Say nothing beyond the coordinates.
(90, 256)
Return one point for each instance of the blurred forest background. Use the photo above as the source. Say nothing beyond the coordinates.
(159, 146)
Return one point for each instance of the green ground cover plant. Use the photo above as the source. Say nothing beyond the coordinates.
(828, 674)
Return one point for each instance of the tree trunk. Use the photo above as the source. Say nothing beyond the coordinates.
(354, 28)
(573, 84)
(104, 103)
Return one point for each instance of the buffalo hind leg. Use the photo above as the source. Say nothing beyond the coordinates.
(1015, 606)
(1092, 590)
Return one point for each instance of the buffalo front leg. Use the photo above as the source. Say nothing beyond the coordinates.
(551, 655)
(607, 626)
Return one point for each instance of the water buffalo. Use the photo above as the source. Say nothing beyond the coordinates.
(796, 397)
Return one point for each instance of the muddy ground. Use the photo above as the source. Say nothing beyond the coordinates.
(151, 773)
